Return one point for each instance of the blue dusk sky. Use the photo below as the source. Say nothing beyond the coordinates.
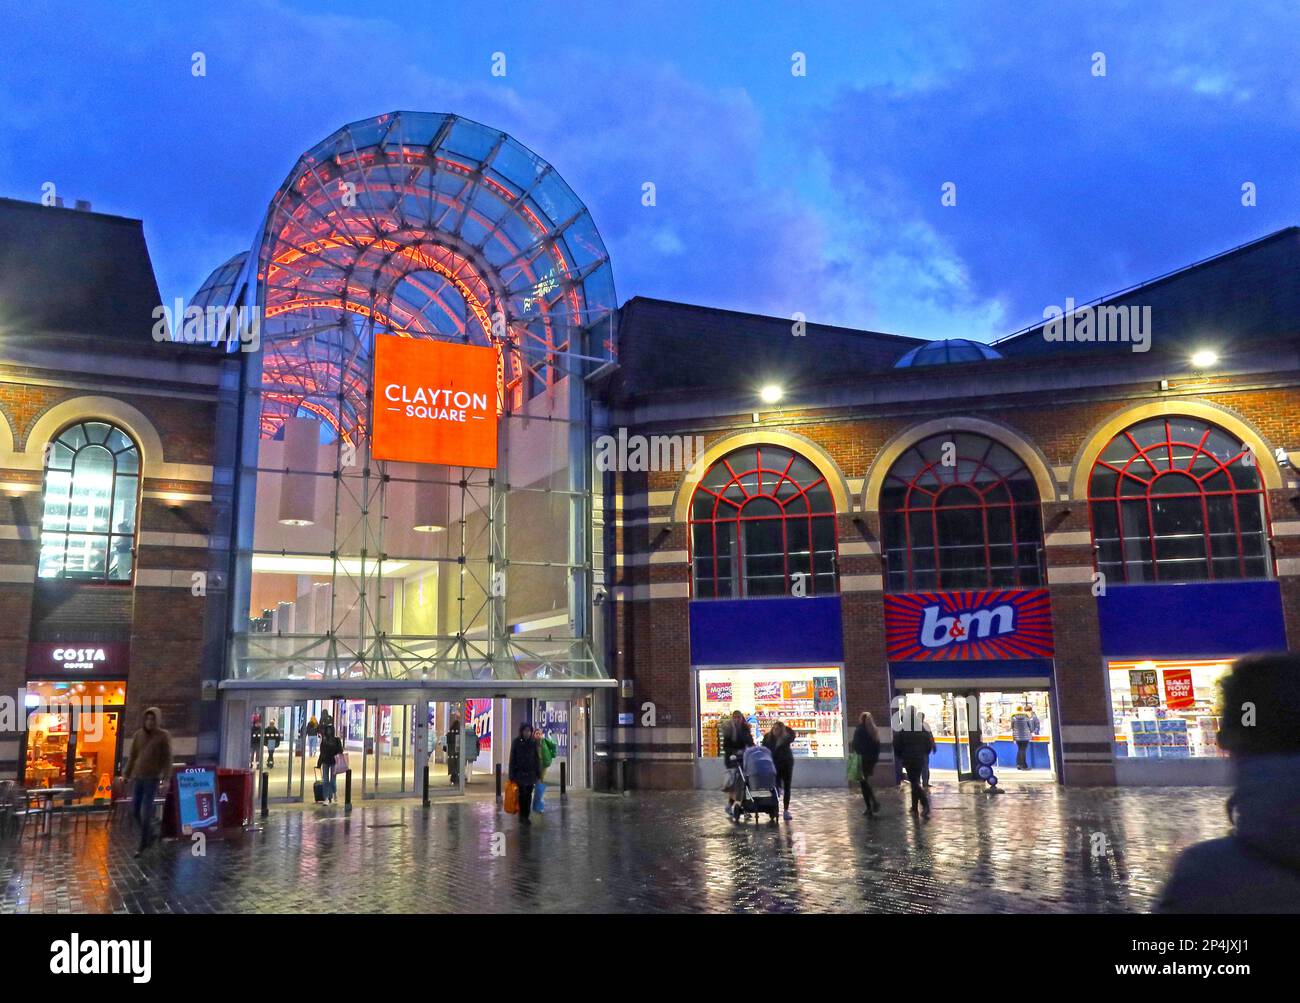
(776, 193)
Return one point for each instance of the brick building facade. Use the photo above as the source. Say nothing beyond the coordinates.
(852, 411)
(147, 611)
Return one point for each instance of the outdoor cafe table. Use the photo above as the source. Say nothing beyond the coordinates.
(44, 798)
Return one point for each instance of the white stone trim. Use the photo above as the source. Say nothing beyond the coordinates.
(21, 574)
(151, 539)
(859, 548)
(1071, 538)
(657, 590)
(1287, 566)
(862, 583)
(1074, 575)
(20, 532)
(654, 557)
(1291, 528)
(165, 578)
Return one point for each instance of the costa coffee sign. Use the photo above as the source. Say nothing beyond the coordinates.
(987, 624)
(434, 402)
(77, 658)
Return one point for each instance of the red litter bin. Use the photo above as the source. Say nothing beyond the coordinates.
(234, 798)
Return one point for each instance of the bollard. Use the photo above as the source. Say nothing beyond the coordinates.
(424, 782)
(498, 781)
(622, 776)
(266, 789)
(564, 777)
(347, 790)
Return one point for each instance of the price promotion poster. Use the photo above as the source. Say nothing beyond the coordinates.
(197, 793)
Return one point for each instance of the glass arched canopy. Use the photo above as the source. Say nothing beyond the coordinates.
(421, 226)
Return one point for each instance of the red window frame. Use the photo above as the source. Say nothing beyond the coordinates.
(769, 480)
(1168, 444)
(984, 490)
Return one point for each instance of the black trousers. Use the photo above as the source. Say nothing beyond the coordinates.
(868, 795)
(914, 772)
(1022, 750)
(785, 773)
(525, 800)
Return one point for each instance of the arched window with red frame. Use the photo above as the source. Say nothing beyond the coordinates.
(1177, 499)
(961, 511)
(761, 516)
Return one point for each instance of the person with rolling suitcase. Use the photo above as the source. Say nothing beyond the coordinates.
(330, 748)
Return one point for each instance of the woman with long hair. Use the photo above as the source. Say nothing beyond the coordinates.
(866, 743)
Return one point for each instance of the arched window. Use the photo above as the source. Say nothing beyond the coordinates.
(92, 482)
(760, 517)
(1177, 499)
(961, 511)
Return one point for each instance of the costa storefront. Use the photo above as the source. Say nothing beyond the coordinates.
(75, 695)
(972, 662)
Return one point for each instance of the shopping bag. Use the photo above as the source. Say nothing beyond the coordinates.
(729, 782)
(855, 768)
(341, 764)
(538, 792)
(511, 804)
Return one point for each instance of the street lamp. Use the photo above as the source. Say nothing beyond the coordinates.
(770, 393)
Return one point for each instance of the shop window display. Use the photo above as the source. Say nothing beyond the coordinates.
(1167, 710)
(73, 735)
(808, 701)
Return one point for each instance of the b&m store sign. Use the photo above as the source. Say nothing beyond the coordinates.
(979, 625)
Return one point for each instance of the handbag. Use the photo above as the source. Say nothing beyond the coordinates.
(730, 782)
(855, 768)
(511, 803)
(341, 763)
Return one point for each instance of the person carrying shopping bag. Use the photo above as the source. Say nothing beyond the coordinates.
(525, 769)
(546, 756)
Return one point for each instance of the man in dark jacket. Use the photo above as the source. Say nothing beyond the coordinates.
(525, 769)
(736, 738)
(148, 765)
(913, 744)
(1256, 869)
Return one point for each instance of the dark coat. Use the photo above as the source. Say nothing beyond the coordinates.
(1257, 868)
(782, 753)
(525, 762)
(913, 745)
(866, 743)
(735, 741)
(330, 747)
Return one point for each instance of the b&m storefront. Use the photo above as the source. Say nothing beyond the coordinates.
(414, 559)
(978, 665)
(1166, 647)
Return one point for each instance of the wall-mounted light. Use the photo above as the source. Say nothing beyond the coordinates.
(1204, 358)
(430, 507)
(770, 393)
(298, 486)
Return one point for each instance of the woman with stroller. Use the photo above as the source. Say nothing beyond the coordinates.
(736, 738)
(778, 741)
(866, 743)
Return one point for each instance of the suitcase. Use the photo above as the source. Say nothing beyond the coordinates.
(318, 792)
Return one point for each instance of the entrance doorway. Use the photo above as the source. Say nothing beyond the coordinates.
(73, 736)
(964, 720)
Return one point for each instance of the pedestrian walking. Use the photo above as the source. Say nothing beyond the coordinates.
(866, 743)
(273, 737)
(1255, 869)
(313, 735)
(525, 769)
(779, 740)
(331, 747)
(736, 738)
(913, 745)
(1023, 729)
(148, 765)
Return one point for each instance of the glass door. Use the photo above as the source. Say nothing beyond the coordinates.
(278, 737)
(966, 732)
(389, 761)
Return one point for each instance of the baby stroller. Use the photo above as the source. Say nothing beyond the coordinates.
(759, 784)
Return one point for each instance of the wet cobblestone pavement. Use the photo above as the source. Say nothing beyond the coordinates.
(1030, 850)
